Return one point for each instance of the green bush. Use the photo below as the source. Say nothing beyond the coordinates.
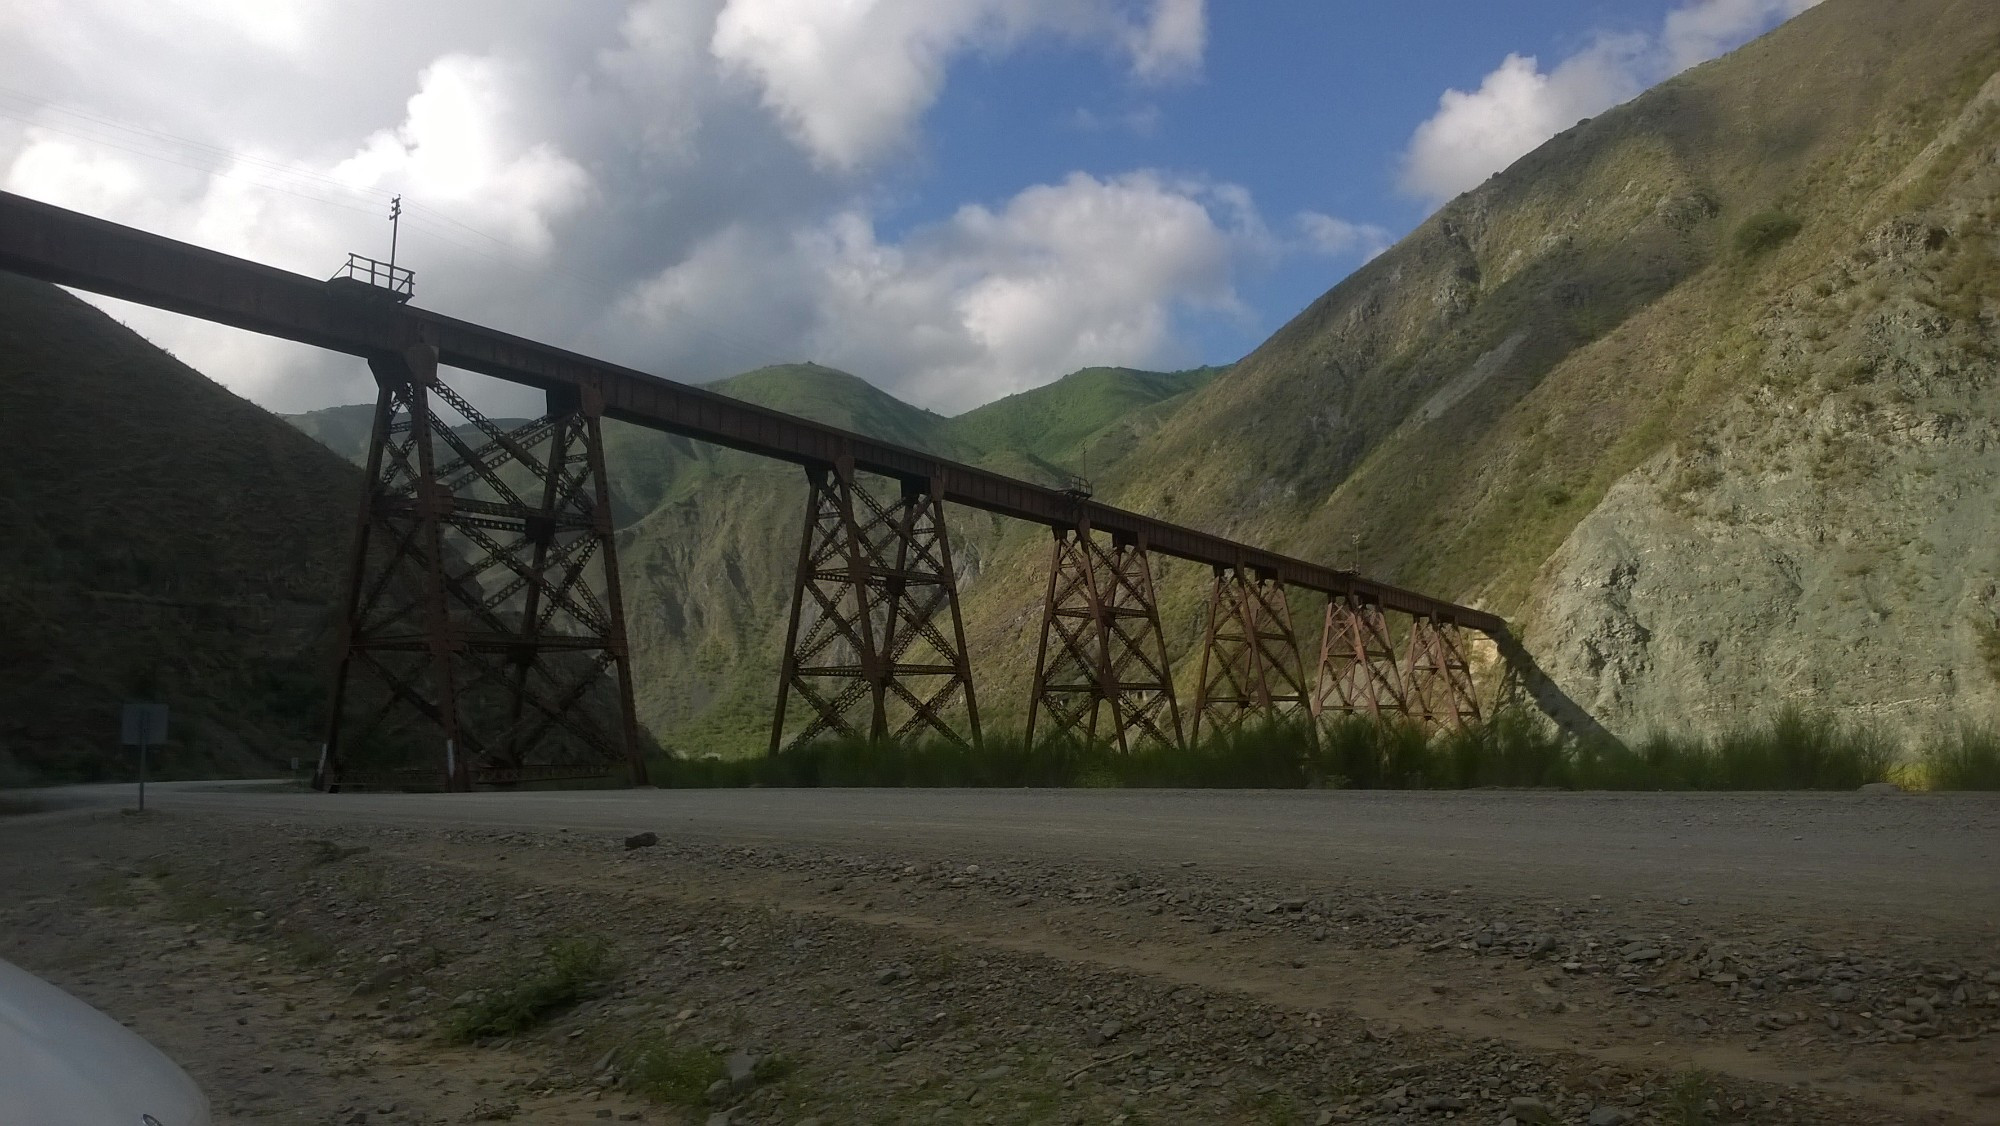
(570, 970)
(666, 1072)
(1795, 750)
(1968, 761)
(1764, 232)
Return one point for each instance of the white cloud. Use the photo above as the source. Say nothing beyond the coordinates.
(850, 79)
(1170, 45)
(456, 148)
(1518, 106)
(1340, 238)
(1701, 31)
(594, 175)
(988, 302)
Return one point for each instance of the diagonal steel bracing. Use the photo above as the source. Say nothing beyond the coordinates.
(1102, 672)
(1358, 670)
(1250, 664)
(1437, 677)
(876, 646)
(483, 631)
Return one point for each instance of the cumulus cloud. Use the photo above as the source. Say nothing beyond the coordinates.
(988, 302)
(1518, 106)
(597, 175)
(1341, 238)
(849, 80)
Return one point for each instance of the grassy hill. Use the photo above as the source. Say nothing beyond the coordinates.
(1699, 392)
(159, 537)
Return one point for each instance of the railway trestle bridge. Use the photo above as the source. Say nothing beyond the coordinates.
(482, 595)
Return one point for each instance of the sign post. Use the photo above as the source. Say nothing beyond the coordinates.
(142, 725)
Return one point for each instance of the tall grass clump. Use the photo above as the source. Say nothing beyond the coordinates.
(1969, 760)
(570, 970)
(1794, 750)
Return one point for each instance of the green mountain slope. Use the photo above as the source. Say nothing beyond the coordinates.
(1093, 415)
(159, 537)
(1696, 392)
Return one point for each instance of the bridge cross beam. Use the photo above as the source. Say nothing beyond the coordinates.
(482, 599)
(1250, 661)
(1101, 671)
(875, 647)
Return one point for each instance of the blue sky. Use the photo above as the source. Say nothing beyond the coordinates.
(955, 199)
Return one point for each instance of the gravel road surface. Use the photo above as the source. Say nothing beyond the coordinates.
(777, 958)
(1863, 857)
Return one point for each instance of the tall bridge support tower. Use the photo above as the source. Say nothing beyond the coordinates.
(876, 645)
(1102, 673)
(1436, 675)
(482, 598)
(1358, 671)
(1250, 663)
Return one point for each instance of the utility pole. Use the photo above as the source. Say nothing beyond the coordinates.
(395, 228)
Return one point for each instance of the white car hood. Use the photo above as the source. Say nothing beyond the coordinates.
(63, 1063)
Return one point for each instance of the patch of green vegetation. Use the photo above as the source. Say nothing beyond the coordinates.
(1070, 425)
(1968, 761)
(1689, 1094)
(1764, 232)
(189, 902)
(1794, 750)
(570, 969)
(306, 948)
(666, 1071)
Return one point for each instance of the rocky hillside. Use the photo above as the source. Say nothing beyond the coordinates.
(159, 537)
(1701, 393)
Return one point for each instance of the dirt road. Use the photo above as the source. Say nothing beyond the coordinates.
(869, 956)
(1860, 858)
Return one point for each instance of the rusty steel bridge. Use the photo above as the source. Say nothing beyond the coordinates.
(482, 595)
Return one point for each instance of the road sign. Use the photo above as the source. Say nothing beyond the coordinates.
(143, 724)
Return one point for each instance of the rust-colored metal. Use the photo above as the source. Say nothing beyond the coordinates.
(1436, 676)
(1101, 673)
(1250, 663)
(473, 597)
(62, 246)
(1358, 672)
(876, 646)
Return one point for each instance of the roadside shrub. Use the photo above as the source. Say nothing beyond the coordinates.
(1764, 232)
(1794, 750)
(665, 1072)
(1970, 760)
(570, 970)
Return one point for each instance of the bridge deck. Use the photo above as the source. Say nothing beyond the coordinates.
(62, 246)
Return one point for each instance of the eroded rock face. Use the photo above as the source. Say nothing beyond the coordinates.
(1827, 538)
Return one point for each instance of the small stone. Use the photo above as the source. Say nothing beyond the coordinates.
(642, 840)
(1526, 1110)
(719, 1118)
(1841, 994)
(1609, 1116)
(1438, 1104)
(1880, 788)
(1108, 1032)
(742, 1070)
